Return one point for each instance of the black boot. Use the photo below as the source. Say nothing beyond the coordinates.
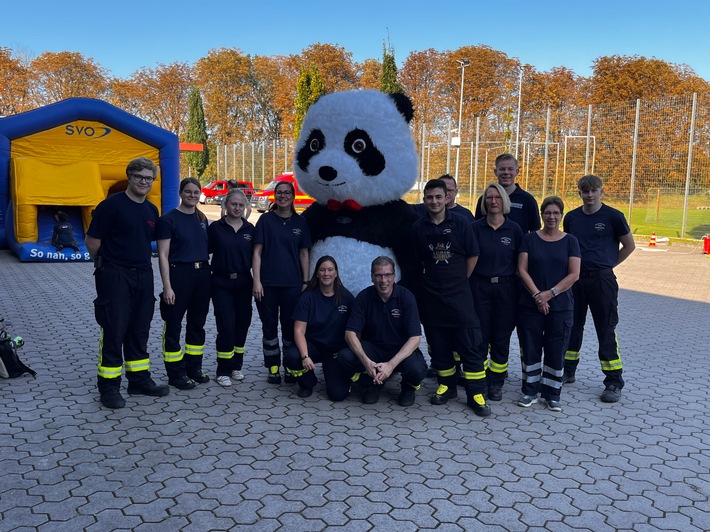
(140, 384)
(110, 390)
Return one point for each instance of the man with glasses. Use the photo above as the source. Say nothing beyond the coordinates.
(383, 335)
(119, 238)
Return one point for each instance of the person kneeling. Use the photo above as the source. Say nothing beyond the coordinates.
(319, 319)
(383, 336)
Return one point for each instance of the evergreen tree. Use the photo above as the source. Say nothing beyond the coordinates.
(388, 82)
(197, 133)
(310, 87)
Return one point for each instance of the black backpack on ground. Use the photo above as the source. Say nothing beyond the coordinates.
(10, 364)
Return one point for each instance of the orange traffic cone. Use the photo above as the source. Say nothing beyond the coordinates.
(652, 243)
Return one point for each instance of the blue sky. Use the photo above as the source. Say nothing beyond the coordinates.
(127, 35)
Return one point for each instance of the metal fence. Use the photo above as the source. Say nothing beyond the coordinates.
(653, 156)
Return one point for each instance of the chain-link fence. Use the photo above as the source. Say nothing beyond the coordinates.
(653, 156)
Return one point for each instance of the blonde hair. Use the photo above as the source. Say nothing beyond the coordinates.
(503, 196)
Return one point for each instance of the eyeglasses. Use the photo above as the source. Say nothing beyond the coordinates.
(552, 213)
(143, 178)
(382, 275)
(283, 193)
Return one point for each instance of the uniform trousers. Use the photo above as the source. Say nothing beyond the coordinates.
(123, 308)
(467, 343)
(192, 297)
(413, 368)
(538, 334)
(496, 305)
(598, 291)
(277, 305)
(319, 354)
(232, 302)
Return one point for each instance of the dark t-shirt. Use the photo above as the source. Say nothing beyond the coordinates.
(325, 321)
(282, 240)
(126, 230)
(548, 264)
(598, 235)
(187, 235)
(386, 324)
(231, 250)
(63, 234)
(524, 210)
(444, 291)
(499, 248)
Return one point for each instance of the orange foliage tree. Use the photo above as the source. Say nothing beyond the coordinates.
(60, 75)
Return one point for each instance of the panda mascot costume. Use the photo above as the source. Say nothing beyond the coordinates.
(356, 157)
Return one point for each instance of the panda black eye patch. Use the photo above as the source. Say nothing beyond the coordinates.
(360, 147)
(314, 143)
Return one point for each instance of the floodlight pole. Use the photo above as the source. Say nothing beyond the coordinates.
(463, 63)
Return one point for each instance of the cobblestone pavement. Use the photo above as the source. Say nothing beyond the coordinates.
(257, 457)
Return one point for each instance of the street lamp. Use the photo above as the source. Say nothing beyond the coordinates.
(463, 63)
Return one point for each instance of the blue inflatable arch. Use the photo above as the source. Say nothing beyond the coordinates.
(66, 156)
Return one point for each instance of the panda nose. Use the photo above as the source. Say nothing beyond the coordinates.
(327, 173)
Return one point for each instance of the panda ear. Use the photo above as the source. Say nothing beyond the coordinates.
(403, 104)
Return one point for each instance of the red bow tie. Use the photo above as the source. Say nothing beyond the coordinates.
(335, 205)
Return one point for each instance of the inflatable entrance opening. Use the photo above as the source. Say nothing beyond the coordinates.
(66, 157)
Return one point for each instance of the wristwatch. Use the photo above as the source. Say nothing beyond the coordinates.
(554, 291)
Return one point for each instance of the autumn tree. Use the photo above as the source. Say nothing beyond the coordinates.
(369, 74)
(162, 95)
(57, 76)
(487, 82)
(561, 90)
(389, 83)
(224, 81)
(335, 66)
(421, 77)
(14, 84)
(623, 78)
(310, 88)
(197, 133)
(267, 81)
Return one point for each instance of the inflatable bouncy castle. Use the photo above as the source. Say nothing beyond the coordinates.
(66, 157)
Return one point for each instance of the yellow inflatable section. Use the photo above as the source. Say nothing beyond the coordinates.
(34, 182)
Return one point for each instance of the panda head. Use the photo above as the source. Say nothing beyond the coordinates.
(356, 145)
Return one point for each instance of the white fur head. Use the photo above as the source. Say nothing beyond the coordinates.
(356, 145)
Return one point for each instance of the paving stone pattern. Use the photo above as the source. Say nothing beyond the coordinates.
(258, 457)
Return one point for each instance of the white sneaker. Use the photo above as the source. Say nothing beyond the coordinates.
(237, 375)
(224, 380)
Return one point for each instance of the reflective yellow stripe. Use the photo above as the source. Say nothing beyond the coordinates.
(105, 371)
(173, 356)
(572, 355)
(238, 350)
(225, 355)
(195, 350)
(611, 365)
(297, 372)
(355, 377)
(497, 368)
(447, 372)
(457, 358)
(110, 373)
(137, 365)
(474, 375)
